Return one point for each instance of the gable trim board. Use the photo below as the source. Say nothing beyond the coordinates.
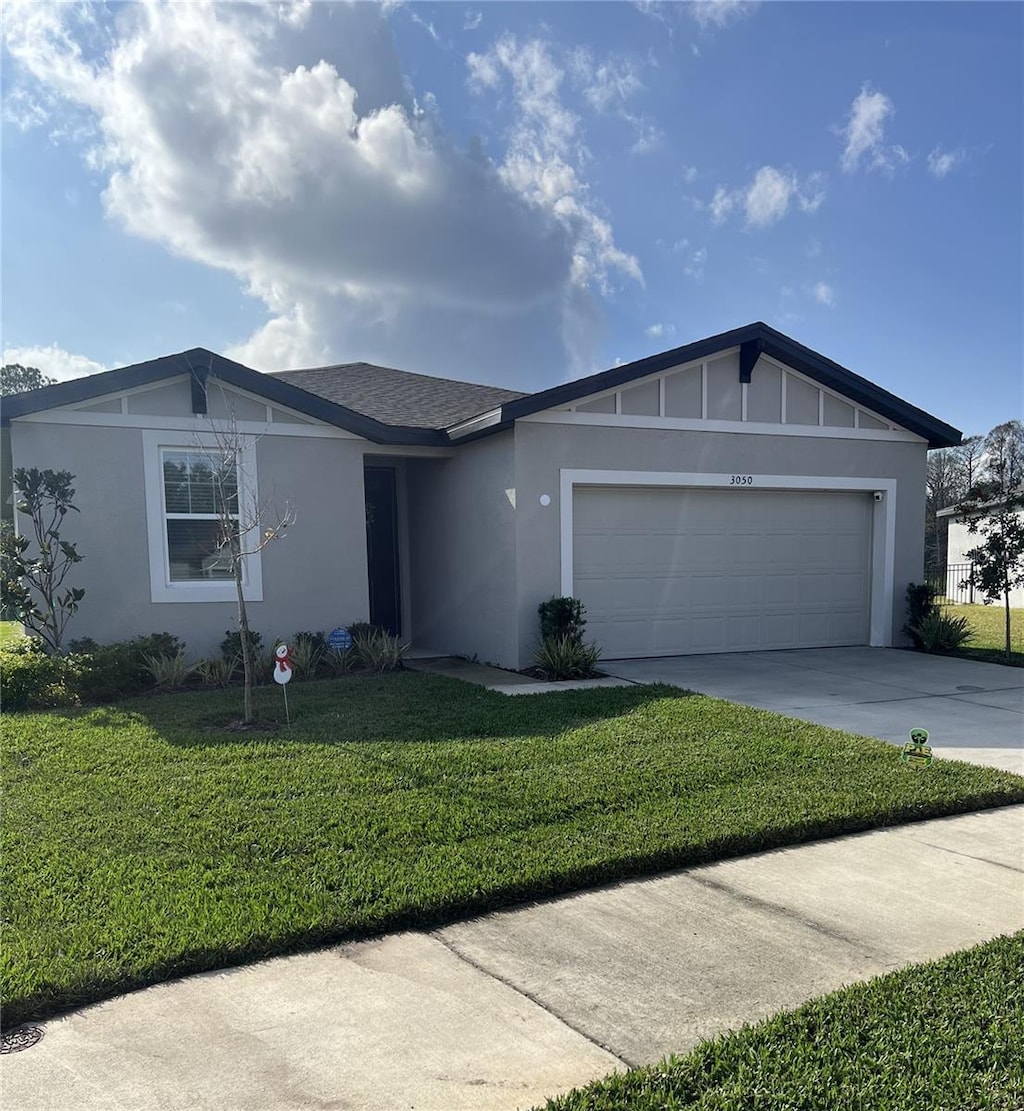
(883, 521)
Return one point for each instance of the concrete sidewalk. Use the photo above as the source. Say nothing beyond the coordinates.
(504, 1011)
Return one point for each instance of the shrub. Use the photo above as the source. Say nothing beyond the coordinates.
(111, 671)
(920, 604)
(32, 679)
(170, 671)
(157, 644)
(231, 646)
(217, 671)
(359, 630)
(339, 661)
(562, 617)
(379, 651)
(307, 652)
(566, 657)
(940, 632)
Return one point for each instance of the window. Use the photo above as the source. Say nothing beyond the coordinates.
(198, 487)
(188, 487)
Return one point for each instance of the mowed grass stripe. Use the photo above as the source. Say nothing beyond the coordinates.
(944, 1036)
(144, 841)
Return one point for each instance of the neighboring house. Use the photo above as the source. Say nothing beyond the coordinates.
(739, 493)
(958, 543)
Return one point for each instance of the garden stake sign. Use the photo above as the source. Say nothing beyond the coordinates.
(917, 752)
(283, 673)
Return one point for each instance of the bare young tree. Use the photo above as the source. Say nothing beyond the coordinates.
(246, 524)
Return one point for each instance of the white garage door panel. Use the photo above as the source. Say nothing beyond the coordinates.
(668, 570)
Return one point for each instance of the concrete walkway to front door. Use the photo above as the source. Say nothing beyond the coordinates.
(972, 711)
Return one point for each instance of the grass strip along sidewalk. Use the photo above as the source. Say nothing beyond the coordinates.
(945, 1035)
(144, 841)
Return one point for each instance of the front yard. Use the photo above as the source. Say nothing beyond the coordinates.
(945, 1035)
(988, 626)
(143, 841)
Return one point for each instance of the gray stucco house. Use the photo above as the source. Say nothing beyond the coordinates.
(739, 493)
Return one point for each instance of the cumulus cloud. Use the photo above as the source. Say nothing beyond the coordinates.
(53, 361)
(543, 164)
(766, 200)
(865, 134)
(655, 331)
(941, 163)
(334, 196)
(824, 294)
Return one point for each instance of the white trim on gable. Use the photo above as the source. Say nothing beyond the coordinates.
(693, 424)
(883, 542)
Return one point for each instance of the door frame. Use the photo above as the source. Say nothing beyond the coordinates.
(883, 521)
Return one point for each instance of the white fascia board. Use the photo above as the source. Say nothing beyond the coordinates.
(475, 424)
(695, 424)
(883, 546)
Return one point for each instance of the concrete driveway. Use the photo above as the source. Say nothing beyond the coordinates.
(972, 711)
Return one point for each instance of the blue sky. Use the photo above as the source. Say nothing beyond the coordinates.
(519, 193)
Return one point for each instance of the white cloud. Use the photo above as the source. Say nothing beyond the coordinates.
(720, 13)
(655, 331)
(766, 200)
(865, 134)
(543, 164)
(334, 197)
(688, 174)
(604, 84)
(722, 204)
(473, 20)
(695, 267)
(824, 294)
(53, 361)
(941, 163)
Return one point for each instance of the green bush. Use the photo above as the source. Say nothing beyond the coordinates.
(566, 657)
(217, 671)
(360, 630)
(111, 671)
(231, 646)
(379, 651)
(562, 617)
(941, 632)
(920, 605)
(340, 661)
(170, 671)
(31, 679)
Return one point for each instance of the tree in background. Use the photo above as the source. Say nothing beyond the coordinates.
(994, 510)
(33, 582)
(14, 378)
(951, 473)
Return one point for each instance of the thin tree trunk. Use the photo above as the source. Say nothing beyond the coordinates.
(1006, 597)
(243, 625)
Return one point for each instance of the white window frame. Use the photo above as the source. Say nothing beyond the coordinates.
(162, 589)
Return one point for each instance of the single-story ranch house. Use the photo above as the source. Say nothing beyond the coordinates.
(739, 493)
(959, 541)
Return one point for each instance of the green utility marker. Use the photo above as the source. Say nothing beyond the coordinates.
(917, 752)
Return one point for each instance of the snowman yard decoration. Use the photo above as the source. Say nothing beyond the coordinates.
(283, 673)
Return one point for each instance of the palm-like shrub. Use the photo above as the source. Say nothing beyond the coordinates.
(940, 632)
(566, 657)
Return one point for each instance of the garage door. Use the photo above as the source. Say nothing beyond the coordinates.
(665, 571)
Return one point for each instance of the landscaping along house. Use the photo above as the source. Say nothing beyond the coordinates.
(739, 493)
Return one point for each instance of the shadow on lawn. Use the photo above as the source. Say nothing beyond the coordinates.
(400, 707)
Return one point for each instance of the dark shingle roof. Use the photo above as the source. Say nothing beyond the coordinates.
(398, 397)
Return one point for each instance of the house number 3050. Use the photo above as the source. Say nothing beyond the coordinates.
(741, 480)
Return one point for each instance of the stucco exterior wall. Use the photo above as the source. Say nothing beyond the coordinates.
(542, 450)
(315, 578)
(462, 551)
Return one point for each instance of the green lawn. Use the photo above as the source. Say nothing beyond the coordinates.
(9, 630)
(988, 623)
(946, 1035)
(143, 841)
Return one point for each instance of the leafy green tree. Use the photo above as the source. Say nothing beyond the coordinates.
(34, 580)
(994, 511)
(14, 378)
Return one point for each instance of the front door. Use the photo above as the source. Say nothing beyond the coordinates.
(382, 548)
